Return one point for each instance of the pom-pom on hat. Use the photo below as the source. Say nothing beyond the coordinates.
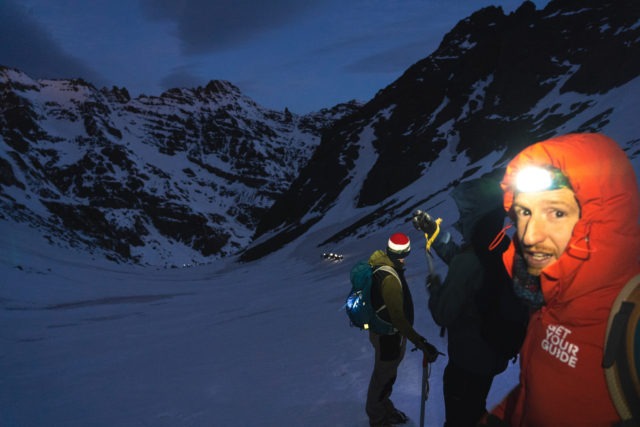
(399, 246)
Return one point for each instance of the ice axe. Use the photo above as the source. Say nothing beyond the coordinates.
(426, 367)
(418, 219)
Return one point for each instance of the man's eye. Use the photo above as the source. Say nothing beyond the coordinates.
(559, 214)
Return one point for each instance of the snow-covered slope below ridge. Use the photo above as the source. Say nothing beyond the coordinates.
(496, 84)
(176, 179)
(198, 174)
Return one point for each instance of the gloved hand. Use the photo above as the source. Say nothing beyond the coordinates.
(422, 221)
(429, 351)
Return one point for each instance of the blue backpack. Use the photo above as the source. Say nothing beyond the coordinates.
(359, 307)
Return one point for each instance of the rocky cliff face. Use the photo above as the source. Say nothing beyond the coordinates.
(163, 180)
(196, 174)
(495, 84)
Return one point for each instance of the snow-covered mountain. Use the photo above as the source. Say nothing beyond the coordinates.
(197, 174)
(495, 84)
(187, 173)
(87, 342)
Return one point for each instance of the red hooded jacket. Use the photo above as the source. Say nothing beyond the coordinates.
(562, 382)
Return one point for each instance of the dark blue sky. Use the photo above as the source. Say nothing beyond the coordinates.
(304, 55)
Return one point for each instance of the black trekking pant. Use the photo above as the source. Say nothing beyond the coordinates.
(465, 396)
(389, 351)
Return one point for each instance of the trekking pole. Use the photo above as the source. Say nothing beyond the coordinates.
(429, 242)
(426, 367)
(425, 388)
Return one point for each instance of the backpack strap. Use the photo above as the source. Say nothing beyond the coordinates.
(621, 356)
(391, 271)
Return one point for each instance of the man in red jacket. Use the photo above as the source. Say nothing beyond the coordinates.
(575, 202)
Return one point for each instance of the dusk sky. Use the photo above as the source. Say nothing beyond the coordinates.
(304, 55)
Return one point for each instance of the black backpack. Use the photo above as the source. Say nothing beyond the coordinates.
(505, 317)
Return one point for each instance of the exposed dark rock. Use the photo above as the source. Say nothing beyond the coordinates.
(126, 172)
(475, 95)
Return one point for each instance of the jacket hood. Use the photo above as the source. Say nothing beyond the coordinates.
(607, 235)
(476, 199)
(380, 257)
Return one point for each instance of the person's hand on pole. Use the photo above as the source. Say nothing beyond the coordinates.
(430, 352)
(422, 221)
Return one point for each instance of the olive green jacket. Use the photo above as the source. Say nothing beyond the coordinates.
(395, 295)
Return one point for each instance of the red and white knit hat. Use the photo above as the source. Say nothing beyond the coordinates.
(399, 246)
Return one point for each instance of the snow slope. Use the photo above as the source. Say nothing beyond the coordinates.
(87, 343)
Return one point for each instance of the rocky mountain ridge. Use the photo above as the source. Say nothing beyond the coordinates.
(198, 174)
(187, 173)
(495, 84)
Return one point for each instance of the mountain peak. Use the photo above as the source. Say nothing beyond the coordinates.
(201, 173)
(174, 179)
(221, 87)
(495, 84)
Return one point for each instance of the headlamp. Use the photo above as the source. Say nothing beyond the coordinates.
(533, 178)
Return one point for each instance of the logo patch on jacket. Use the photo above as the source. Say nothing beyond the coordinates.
(557, 344)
